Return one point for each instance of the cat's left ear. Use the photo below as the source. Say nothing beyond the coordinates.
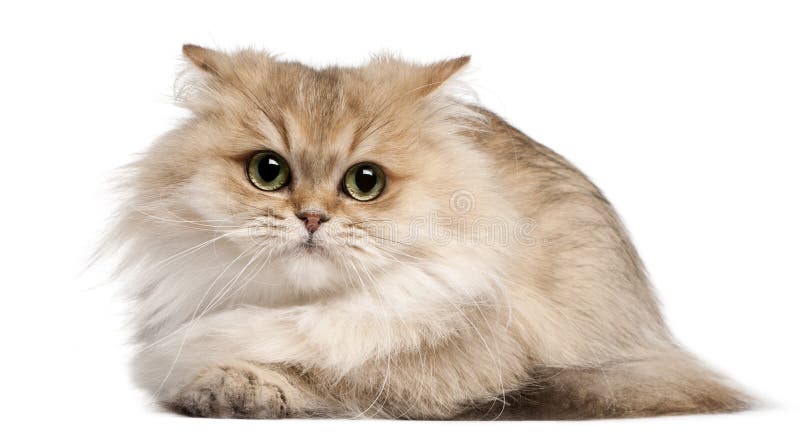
(437, 74)
(413, 80)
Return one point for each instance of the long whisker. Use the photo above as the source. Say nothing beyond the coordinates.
(185, 221)
(189, 251)
(191, 323)
(376, 291)
(220, 297)
(480, 335)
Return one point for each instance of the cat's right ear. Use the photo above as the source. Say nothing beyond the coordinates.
(201, 86)
(208, 60)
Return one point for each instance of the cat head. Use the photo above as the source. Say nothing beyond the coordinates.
(323, 177)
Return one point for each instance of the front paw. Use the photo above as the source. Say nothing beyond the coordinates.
(231, 391)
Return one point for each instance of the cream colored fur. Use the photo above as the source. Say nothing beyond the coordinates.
(547, 314)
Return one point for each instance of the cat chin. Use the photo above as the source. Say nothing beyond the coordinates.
(310, 270)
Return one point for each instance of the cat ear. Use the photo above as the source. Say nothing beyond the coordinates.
(413, 79)
(208, 60)
(436, 74)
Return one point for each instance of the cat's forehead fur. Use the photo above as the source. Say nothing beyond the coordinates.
(313, 104)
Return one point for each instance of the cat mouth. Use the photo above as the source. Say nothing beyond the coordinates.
(310, 246)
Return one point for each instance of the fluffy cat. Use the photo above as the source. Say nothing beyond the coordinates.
(364, 242)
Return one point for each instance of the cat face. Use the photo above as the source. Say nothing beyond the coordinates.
(324, 177)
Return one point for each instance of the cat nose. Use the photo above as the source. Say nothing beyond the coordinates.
(313, 219)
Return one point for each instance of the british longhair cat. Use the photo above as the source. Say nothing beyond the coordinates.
(366, 242)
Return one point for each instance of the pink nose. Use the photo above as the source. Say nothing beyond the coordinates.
(312, 219)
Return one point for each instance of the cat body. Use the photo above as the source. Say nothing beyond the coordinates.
(487, 278)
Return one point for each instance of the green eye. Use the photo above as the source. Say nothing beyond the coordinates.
(364, 181)
(268, 171)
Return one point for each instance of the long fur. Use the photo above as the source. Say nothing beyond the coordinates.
(406, 310)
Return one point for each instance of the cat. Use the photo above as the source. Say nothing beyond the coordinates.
(370, 242)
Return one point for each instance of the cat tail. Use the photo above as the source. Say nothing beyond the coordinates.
(668, 383)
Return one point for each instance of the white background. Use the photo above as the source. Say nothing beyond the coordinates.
(687, 115)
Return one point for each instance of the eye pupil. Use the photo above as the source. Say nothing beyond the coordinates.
(269, 168)
(365, 179)
(268, 171)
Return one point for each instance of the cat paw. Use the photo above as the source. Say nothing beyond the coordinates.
(231, 392)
